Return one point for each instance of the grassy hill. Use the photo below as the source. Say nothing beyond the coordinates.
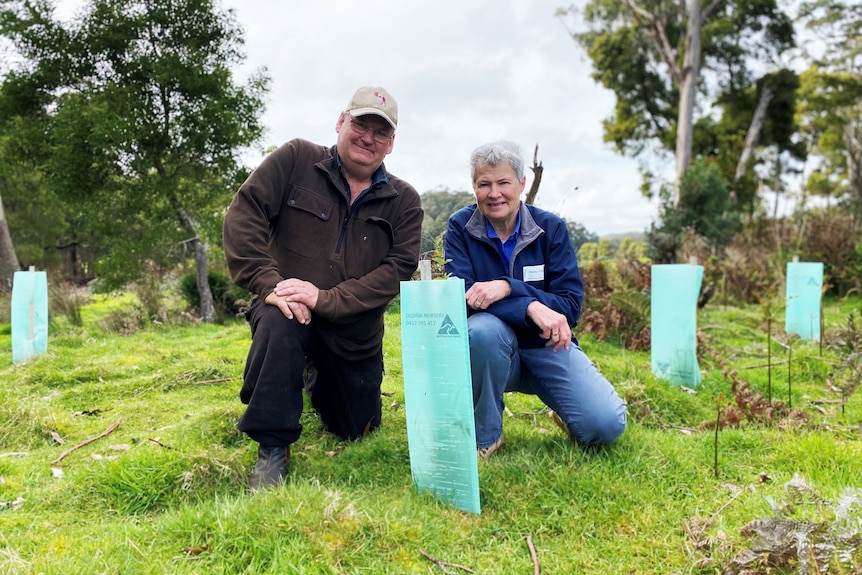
(120, 454)
(618, 237)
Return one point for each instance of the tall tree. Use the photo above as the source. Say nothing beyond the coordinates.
(660, 57)
(145, 119)
(831, 100)
(754, 131)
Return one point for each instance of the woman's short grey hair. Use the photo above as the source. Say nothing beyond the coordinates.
(496, 153)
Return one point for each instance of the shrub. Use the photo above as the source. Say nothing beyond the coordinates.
(831, 237)
(703, 210)
(66, 300)
(617, 301)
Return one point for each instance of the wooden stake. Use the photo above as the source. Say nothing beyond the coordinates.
(769, 360)
(425, 270)
(715, 443)
(32, 308)
(789, 363)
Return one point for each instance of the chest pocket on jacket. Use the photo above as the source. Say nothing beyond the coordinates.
(308, 222)
(371, 239)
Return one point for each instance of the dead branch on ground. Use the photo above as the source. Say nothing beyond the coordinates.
(536, 569)
(86, 442)
(443, 564)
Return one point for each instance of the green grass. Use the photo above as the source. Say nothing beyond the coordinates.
(165, 492)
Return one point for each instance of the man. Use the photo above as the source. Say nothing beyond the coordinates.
(322, 237)
(524, 296)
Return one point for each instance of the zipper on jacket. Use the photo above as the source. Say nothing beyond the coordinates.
(351, 212)
(343, 232)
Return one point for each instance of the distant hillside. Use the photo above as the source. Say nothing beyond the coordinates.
(618, 237)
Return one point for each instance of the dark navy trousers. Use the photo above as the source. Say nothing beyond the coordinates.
(287, 358)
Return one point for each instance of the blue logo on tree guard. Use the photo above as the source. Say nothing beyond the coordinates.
(448, 327)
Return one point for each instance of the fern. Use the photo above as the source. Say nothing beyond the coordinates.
(847, 342)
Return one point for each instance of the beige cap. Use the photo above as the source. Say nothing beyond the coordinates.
(374, 100)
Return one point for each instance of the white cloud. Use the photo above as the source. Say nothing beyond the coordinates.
(463, 73)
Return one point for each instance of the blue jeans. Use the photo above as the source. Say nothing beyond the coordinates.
(566, 381)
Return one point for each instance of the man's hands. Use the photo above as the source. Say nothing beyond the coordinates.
(482, 294)
(555, 327)
(295, 298)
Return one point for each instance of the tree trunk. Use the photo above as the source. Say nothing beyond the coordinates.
(8, 258)
(686, 78)
(753, 134)
(202, 274)
(853, 141)
(201, 271)
(687, 93)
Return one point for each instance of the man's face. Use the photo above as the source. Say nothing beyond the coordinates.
(363, 142)
(498, 192)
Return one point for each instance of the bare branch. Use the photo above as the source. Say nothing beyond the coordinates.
(659, 35)
(443, 564)
(753, 134)
(159, 443)
(709, 10)
(537, 177)
(536, 569)
(86, 442)
(209, 381)
(699, 535)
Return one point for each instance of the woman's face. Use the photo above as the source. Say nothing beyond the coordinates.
(498, 192)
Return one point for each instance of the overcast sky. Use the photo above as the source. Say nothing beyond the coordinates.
(464, 72)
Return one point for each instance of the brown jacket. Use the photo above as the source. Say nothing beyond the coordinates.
(292, 219)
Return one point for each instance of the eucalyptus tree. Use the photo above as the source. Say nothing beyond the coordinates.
(144, 117)
(669, 63)
(831, 100)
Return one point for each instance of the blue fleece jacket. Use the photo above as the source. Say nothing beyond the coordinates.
(543, 267)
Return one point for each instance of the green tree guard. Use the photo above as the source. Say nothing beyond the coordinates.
(673, 310)
(29, 315)
(438, 393)
(804, 291)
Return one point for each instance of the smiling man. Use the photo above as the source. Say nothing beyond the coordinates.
(524, 296)
(322, 237)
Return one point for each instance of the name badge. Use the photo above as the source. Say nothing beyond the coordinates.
(534, 273)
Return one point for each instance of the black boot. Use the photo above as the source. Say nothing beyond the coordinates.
(271, 467)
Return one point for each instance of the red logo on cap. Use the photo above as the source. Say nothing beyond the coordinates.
(380, 97)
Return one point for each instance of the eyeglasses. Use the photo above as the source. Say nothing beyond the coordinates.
(360, 128)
